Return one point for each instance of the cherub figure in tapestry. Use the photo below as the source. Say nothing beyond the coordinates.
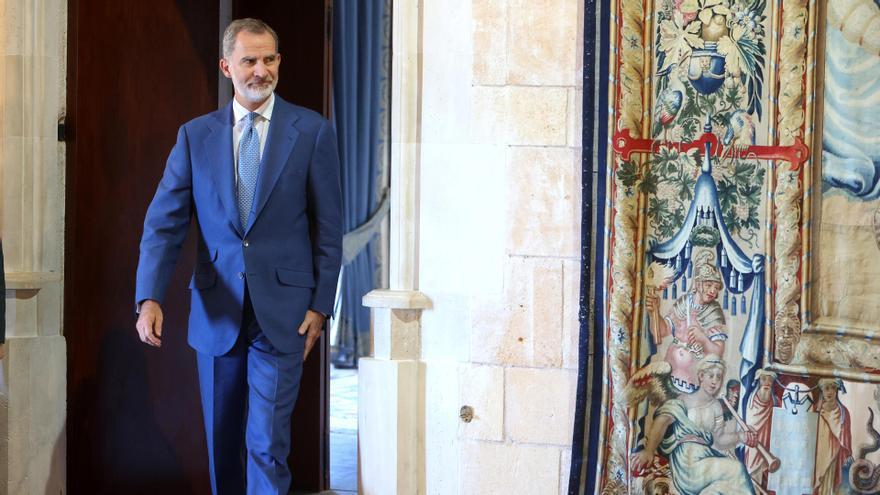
(690, 432)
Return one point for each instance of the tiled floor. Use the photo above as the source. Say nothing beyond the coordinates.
(343, 431)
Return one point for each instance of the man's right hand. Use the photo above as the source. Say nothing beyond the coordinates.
(149, 323)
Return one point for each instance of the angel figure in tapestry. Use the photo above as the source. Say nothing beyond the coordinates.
(689, 431)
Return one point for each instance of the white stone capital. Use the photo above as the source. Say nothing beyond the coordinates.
(397, 323)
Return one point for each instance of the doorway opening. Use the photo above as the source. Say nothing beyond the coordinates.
(362, 118)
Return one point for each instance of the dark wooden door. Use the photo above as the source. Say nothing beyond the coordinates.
(137, 71)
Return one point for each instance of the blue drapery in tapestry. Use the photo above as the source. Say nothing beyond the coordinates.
(357, 72)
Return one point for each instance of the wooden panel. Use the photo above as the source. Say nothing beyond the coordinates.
(137, 71)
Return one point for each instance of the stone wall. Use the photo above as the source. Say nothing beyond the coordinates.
(32, 96)
(499, 237)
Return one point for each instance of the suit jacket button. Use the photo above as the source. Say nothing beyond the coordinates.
(246, 243)
(241, 275)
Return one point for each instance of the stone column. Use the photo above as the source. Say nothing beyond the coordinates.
(32, 95)
(391, 390)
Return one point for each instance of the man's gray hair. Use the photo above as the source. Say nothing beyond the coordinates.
(254, 26)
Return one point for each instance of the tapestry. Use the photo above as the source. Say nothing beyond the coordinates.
(737, 272)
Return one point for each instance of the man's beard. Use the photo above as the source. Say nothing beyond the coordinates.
(255, 93)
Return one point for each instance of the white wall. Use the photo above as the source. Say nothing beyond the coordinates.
(499, 241)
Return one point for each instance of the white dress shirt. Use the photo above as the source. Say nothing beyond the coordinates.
(261, 124)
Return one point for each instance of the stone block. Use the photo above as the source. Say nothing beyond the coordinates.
(571, 281)
(525, 326)
(575, 117)
(490, 41)
(445, 327)
(446, 70)
(388, 442)
(539, 405)
(11, 158)
(538, 116)
(13, 96)
(52, 204)
(461, 219)
(542, 44)
(13, 16)
(482, 388)
(490, 113)
(502, 469)
(543, 202)
(37, 380)
(441, 426)
(564, 471)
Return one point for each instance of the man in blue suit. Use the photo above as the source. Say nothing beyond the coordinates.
(260, 177)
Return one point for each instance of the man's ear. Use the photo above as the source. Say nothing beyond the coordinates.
(224, 68)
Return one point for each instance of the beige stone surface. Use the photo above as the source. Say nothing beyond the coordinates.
(539, 405)
(544, 202)
(489, 468)
(571, 274)
(11, 150)
(445, 328)
(490, 41)
(564, 471)
(543, 42)
(32, 91)
(37, 412)
(441, 427)
(492, 168)
(490, 114)
(463, 206)
(575, 117)
(525, 328)
(538, 116)
(13, 108)
(482, 388)
(388, 440)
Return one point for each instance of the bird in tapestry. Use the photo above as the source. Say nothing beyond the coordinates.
(668, 106)
(740, 131)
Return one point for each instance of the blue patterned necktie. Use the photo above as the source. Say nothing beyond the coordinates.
(248, 167)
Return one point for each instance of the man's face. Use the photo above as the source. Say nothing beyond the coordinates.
(766, 381)
(252, 66)
(829, 392)
(708, 291)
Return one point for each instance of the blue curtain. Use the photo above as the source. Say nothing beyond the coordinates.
(357, 96)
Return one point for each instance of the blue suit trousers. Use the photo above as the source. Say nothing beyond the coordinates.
(248, 396)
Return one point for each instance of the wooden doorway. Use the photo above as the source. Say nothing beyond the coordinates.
(136, 72)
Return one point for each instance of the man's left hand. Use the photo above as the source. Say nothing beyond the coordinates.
(311, 327)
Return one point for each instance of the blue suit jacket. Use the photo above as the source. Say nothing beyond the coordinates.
(290, 252)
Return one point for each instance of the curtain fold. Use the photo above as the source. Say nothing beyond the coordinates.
(357, 73)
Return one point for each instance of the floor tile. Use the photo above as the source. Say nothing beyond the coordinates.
(343, 430)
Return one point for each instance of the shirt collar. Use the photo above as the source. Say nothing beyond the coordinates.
(265, 110)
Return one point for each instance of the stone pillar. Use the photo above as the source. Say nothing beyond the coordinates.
(32, 94)
(391, 390)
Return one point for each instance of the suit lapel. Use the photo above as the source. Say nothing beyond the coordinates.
(279, 143)
(218, 146)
